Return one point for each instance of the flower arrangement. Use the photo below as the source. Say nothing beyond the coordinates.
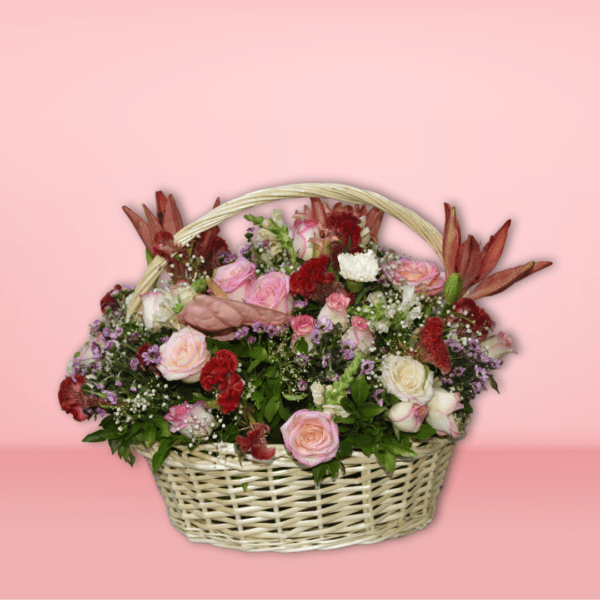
(313, 336)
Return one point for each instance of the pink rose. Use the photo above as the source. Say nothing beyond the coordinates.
(424, 276)
(192, 420)
(441, 405)
(498, 345)
(271, 291)
(360, 334)
(407, 417)
(302, 326)
(302, 234)
(150, 305)
(311, 436)
(183, 356)
(235, 275)
(335, 309)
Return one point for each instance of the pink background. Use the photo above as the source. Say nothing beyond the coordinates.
(490, 105)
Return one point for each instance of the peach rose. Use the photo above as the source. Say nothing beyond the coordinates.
(183, 356)
(424, 276)
(234, 275)
(271, 291)
(312, 437)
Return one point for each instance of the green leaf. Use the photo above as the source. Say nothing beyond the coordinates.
(149, 257)
(163, 451)
(425, 431)
(319, 472)
(344, 449)
(254, 364)
(301, 346)
(272, 408)
(360, 389)
(163, 426)
(358, 440)
(149, 435)
(259, 353)
(283, 412)
(367, 449)
(334, 467)
(387, 459)
(293, 397)
(115, 444)
(97, 436)
(245, 486)
(371, 410)
(493, 383)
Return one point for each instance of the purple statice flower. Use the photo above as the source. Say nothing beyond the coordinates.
(366, 367)
(302, 359)
(348, 354)
(100, 412)
(133, 388)
(316, 336)
(118, 384)
(135, 336)
(106, 333)
(481, 373)
(376, 397)
(97, 351)
(258, 327)
(116, 333)
(109, 344)
(245, 249)
(349, 344)
(325, 324)
(134, 363)
(100, 387)
(96, 325)
(454, 346)
(271, 330)
(252, 339)
(326, 362)
(127, 288)
(242, 332)
(477, 386)
(152, 355)
(302, 385)
(164, 340)
(457, 372)
(300, 303)
(98, 366)
(112, 397)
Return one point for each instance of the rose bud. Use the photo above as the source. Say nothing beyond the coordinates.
(407, 416)
(441, 405)
(498, 345)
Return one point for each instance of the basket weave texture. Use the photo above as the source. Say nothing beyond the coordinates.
(254, 506)
(215, 498)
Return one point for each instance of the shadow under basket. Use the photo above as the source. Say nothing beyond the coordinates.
(253, 506)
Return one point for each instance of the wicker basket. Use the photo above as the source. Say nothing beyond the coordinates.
(214, 498)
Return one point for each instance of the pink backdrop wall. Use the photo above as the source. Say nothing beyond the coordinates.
(491, 105)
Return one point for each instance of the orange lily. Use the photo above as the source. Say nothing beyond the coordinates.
(475, 265)
(168, 219)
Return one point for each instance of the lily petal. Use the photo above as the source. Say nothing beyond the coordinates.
(451, 241)
(500, 281)
(492, 251)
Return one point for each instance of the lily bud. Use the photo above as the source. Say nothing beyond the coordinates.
(452, 288)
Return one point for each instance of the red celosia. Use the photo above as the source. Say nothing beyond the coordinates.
(73, 400)
(108, 300)
(256, 442)
(474, 316)
(432, 348)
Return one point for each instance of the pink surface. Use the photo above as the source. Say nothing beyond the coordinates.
(510, 524)
(491, 105)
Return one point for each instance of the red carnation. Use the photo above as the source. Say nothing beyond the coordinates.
(109, 300)
(432, 348)
(229, 398)
(256, 442)
(472, 315)
(73, 400)
(215, 371)
(311, 277)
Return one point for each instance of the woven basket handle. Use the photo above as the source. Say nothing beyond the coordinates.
(333, 191)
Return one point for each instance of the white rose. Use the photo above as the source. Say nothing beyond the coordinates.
(441, 405)
(359, 267)
(407, 379)
(318, 391)
(150, 306)
(165, 315)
